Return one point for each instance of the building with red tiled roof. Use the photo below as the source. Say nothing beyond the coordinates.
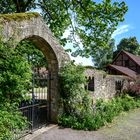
(125, 64)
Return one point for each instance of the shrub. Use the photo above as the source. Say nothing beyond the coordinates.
(108, 110)
(78, 111)
(76, 102)
(11, 121)
(133, 88)
(15, 75)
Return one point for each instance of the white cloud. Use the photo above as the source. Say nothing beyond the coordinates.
(121, 29)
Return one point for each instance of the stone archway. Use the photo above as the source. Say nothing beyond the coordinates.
(31, 26)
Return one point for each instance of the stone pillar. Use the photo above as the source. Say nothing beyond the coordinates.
(53, 91)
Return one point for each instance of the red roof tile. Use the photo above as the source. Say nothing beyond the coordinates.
(124, 70)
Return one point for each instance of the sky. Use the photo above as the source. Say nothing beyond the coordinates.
(131, 25)
(128, 28)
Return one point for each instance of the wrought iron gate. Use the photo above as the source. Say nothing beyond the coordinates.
(36, 109)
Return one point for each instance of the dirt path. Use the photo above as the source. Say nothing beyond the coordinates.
(125, 127)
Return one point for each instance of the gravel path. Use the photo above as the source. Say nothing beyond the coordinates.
(124, 127)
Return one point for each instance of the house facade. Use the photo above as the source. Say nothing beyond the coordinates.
(125, 64)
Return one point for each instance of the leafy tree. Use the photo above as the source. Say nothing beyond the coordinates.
(92, 22)
(104, 56)
(96, 23)
(16, 6)
(128, 44)
(35, 57)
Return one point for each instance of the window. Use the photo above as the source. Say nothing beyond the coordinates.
(91, 84)
(118, 85)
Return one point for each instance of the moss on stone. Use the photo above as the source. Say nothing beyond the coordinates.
(90, 67)
(18, 16)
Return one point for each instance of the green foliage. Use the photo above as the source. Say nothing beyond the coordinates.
(11, 121)
(104, 56)
(18, 6)
(130, 45)
(75, 98)
(96, 22)
(15, 74)
(34, 56)
(77, 104)
(78, 109)
(103, 113)
(93, 22)
(108, 110)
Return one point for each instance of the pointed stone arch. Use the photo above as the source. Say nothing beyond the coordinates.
(32, 27)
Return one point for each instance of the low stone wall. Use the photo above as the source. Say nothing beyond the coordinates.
(105, 86)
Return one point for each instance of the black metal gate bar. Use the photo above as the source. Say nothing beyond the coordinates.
(36, 109)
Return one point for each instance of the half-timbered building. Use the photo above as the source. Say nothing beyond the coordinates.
(125, 64)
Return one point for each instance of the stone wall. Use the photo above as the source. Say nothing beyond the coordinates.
(31, 26)
(106, 86)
